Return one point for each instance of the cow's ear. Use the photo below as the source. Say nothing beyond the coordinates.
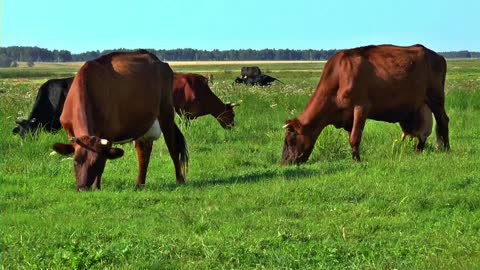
(105, 146)
(114, 153)
(63, 149)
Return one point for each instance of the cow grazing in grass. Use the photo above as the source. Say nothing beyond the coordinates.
(259, 80)
(253, 76)
(193, 98)
(47, 108)
(385, 83)
(117, 98)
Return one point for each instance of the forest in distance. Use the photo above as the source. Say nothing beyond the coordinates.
(9, 55)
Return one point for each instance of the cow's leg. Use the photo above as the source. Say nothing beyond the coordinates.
(355, 136)
(97, 184)
(420, 144)
(436, 102)
(441, 129)
(144, 149)
(174, 140)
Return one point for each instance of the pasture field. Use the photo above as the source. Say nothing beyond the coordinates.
(240, 209)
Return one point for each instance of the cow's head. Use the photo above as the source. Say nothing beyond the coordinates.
(239, 80)
(25, 126)
(90, 154)
(227, 118)
(299, 143)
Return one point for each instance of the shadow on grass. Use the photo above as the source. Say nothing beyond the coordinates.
(293, 173)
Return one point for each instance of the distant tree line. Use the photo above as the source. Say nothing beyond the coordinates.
(9, 55)
(461, 54)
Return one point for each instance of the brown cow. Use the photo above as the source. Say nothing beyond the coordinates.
(193, 98)
(385, 83)
(117, 98)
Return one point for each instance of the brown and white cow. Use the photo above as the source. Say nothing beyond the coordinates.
(193, 97)
(117, 98)
(385, 83)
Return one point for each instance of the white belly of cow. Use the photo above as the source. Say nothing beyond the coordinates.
(153, 133)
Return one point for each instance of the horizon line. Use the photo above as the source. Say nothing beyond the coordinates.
(179, 48)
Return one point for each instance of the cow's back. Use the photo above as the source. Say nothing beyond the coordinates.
(394, 80)
(117, 96)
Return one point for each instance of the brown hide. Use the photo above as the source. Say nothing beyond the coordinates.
(386, 83)
(192, 98)
(118, 97)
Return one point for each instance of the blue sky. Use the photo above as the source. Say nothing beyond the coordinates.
(84, 25)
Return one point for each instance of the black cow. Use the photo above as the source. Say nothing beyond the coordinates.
(250, 72)
(260, 80)
(47, 108)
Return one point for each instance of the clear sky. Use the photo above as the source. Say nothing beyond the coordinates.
(83, 25)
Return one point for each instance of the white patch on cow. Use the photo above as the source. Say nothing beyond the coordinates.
(104, 141)
(153, 133)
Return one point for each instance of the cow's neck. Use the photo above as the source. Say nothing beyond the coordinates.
(83, 118)
(218, 107)
(82, 127)
(317, 115)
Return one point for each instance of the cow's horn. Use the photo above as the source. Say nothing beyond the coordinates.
(285, 126)
(103, 141)
(73, 140)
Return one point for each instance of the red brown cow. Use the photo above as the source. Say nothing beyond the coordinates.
(385, 83)
(117, 98)
(193, 98)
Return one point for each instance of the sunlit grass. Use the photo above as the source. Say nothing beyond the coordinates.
(241, 209)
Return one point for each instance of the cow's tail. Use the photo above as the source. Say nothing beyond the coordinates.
(181, 146)
(279, 81)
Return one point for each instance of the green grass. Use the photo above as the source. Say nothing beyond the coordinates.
(240, 208)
